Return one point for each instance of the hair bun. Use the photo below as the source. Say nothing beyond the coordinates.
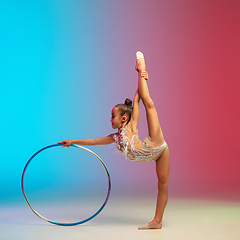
(128, 102)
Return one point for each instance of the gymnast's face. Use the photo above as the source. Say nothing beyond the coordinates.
(116, 119)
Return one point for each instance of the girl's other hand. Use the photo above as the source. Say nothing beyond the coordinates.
(66, 143)
(144, 74)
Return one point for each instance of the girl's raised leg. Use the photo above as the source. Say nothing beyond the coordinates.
(154, 128)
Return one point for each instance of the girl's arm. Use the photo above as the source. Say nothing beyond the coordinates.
(89, 141)
(135, 112)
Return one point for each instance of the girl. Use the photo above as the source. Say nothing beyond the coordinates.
(153, 148)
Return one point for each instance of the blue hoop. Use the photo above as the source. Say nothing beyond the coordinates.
(74, 223)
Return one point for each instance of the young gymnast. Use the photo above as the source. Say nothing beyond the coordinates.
(153, 148)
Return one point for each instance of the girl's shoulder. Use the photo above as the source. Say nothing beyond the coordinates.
(114, 136)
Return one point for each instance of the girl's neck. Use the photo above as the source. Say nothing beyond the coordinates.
(124, 127)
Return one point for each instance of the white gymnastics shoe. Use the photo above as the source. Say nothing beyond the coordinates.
(139, 55)
(147, 226)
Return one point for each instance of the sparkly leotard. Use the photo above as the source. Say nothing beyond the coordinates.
(135, 150)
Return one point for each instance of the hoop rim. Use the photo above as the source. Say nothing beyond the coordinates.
(60, 223)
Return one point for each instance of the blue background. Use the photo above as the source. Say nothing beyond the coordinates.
(61, 72)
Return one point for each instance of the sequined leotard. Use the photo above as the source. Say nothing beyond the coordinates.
(135, 150)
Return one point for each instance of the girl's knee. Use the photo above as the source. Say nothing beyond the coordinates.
(148, 103)
(162, 185)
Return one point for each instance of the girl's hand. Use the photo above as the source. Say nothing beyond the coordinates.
(66, 143)
(144, 74)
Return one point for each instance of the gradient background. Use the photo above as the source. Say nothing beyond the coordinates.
(65, 64)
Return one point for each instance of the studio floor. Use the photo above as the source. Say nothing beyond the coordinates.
(184, 219)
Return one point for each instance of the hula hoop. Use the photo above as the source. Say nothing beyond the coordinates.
(73, 223)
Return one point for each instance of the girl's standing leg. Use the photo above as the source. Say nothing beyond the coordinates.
(156, 135)
(162, 169)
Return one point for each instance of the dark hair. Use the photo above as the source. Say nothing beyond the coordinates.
(126, 108)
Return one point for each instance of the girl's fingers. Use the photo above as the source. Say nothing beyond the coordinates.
(144, 74)
(64, 143)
